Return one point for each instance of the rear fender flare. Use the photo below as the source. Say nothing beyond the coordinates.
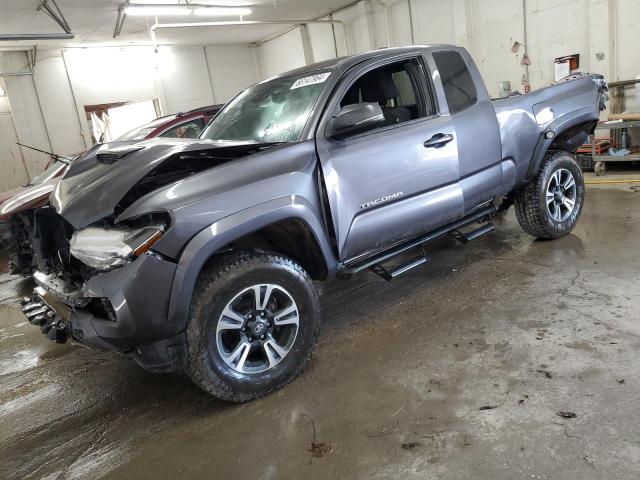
(223, 232)
(559, 125)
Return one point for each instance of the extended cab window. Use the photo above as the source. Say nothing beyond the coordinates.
(459, 88)
(396, 88)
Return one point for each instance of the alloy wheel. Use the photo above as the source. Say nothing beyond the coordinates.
(257, 328)
(561, 194)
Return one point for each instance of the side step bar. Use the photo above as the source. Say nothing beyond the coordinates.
(390, 275)
(478, 232)
(374, 262)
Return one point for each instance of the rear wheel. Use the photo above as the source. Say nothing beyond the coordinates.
(252, 326)
(549, 206)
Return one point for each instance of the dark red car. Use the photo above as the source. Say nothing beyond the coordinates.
(36, 194)
(183, 125)
(54, 169)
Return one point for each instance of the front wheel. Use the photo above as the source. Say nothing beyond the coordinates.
(252, 326)
(549, 206)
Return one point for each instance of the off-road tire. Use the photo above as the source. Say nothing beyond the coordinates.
(217, 285)
(530, 205)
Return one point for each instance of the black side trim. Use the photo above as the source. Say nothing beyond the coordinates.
(168, 355)
(350, 267)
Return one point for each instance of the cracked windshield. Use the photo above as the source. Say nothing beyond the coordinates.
(274, 111)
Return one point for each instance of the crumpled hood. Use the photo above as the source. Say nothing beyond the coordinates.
(99, 180)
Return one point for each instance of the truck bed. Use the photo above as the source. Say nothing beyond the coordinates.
(523, 119)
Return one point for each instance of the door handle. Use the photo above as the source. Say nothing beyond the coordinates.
(438, 140)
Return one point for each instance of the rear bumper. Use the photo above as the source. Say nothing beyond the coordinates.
(124, 310)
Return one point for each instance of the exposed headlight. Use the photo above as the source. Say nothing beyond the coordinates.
(105, 248)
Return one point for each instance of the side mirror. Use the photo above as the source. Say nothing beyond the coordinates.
(358, 115)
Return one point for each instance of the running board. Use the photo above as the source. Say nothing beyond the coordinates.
(374, 262)
(391, 274)
(478, 232)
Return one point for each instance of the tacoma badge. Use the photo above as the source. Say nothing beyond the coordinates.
(378, 201)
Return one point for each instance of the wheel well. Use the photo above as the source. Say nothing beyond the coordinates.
(292, 238)
(570, 139)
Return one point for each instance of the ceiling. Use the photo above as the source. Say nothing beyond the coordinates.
(93, 22)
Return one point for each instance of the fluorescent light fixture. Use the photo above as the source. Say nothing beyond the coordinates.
(215, 3)
(183, 10)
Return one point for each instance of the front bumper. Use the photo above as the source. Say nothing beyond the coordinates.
(137, 299)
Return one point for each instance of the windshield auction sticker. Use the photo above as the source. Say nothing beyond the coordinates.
(310, 80)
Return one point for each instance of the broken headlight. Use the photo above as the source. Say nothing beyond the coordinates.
(105, 248)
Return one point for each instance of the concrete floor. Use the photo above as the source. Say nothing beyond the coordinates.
(456, 370)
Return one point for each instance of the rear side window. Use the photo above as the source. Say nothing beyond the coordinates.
(456, 80)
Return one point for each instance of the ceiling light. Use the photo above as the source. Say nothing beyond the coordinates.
(155, 2)
(182, 10)
(226, 3)
(215, 3)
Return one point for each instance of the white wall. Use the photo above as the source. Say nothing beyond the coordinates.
(50, 104)
(281, 54)
(179, 77)
(233, 68)
(58, 108)
(359, 30)
(493, 32)
(27, 119)
(561, 37)
(433, 22)
(400, 25)
(11, 161)
(627, 39)
(323, 45)
(487, 28)
(101, 75)
(183, 77)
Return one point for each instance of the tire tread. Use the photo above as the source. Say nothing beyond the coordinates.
(529, 215)
(197, 357)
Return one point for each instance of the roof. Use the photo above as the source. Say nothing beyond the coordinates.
(159, 121)
(159, 125)
(206, 110)
(169, 118)
(344, 63)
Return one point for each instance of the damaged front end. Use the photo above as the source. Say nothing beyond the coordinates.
(40, 313)
(17, 223)
(14, 239)
(99, 280)
(102, 286)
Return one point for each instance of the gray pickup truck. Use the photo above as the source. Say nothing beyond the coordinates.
(201, 255)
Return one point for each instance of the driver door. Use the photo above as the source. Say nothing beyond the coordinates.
(393, 180)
